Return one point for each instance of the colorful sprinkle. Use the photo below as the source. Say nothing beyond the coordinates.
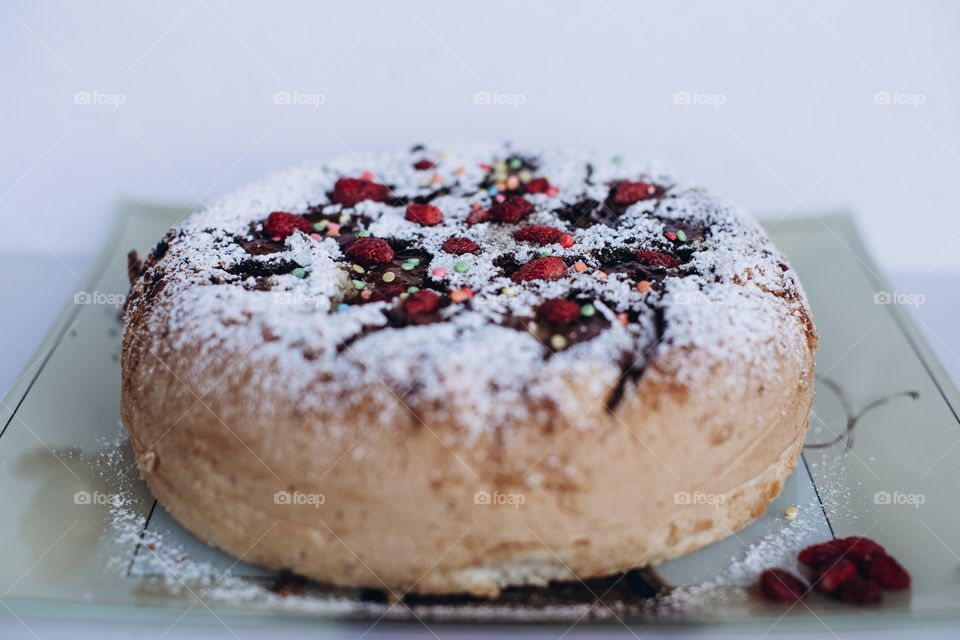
(299, 272)
(617, 159)
(461, 295)
(513, 182)
(508, 291)
(588, 310)
(459, 171)
(316, 236)
(358, 269)
(602, 275)
(566, 241)
(516, 163)
(579, 266)
(681, 236)
(545, 254)
(552, 191)
(389, 276)
(493, 191)
(333, 229)
(344, 218)
(438, 272)
(359, 284)
(460, 266)
(558, 342)
(622, 319)
(436, 179)
(671, 236)
(643, 286)
(343, 306)
(366, 175)
(525, 175)
(366, 294)
(363, 233)
(321, 225)
(413, 289)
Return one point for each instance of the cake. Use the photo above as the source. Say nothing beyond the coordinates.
(455, 371)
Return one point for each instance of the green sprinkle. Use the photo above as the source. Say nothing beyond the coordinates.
(681, 236)
(545, 254)
(389, 276)
(617, 159)
(413, 289)
(359, 284)
(460, 266)
(587, 310)
(516, 163)
(408, 266)
(363, 233)
(320, 226)
(358, 269)
(299, 272)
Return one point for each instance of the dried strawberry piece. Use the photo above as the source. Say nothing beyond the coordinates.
(548, 268)
(830, 577)
(370, 251)
(425, 214)
(459, 245)
(477, 216)
(630, 192)
(658, 259)
(539, 234)
(559, 311)
(386, 292)
(512, 210)
(538, 185)
(421, 303)
(779, 585)
(817, 555)
(860, 548)
(860, 592)
(350, 191)
(886, 572)
(424, 165)
(281, 224)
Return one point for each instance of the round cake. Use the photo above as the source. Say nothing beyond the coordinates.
(453, 371)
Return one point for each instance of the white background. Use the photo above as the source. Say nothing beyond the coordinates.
(798, 127)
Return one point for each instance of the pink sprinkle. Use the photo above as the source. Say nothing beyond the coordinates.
(499, 197)
(333, 229)
(276, 238)
(552, 191)
(367, 175)
(316, 236)
(439, 272)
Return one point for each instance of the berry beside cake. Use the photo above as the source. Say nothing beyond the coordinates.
(457, 371)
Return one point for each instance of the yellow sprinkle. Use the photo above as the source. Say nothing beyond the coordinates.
(579, 266)
(791, 513)
(558, 342)
(357, 268)
(643, 286)
(508, 291)
(389, 276)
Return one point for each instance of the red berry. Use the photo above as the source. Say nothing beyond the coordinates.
(548, 268)
(477, 216)
(423, 165)
(350, 191)
(538, 185)
(658, 259)
(630, 192)
(281, 224)
(426, 214)
(386, 292)
(860, 592)
(817, 555)
(539, 234)
(559, 311)
(512, 210)
(860, 548)
(370, 251)
(459, 245)
(886, 572)
(779, 585)
(834, 575)
(566, 241)
(421, 303)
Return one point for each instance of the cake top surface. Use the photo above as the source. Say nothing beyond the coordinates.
(487, 272)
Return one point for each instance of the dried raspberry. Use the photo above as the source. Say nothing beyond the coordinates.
(630, 192)
(860, 548)
(658, 259)
(860, 592)
(386, 292)
(426, 214)
(817, 555)
(779, 585)
(886, 572)
(539, 234)
(538, 185)
(512, 210)
(370, 251)
(281, 224)
(421, 303)
(549, 268)
(350, 191)
(478, 215)
(459, 245)
(423, 165)
(559, 311)
(831, 577)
